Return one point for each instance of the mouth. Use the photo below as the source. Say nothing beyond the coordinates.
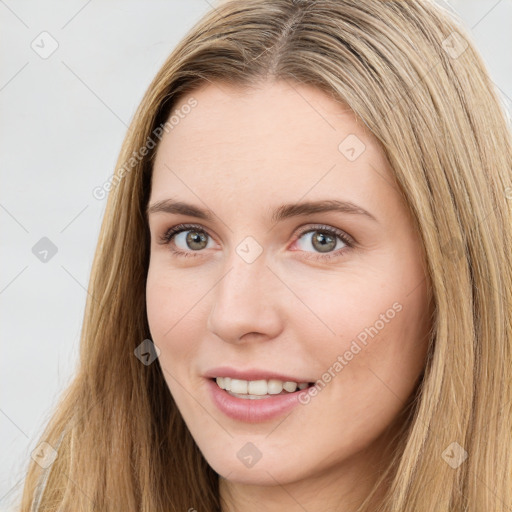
(258, 389)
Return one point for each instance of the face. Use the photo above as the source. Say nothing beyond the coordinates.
(329, 290)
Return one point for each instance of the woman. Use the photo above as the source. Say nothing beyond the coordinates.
(301, 294)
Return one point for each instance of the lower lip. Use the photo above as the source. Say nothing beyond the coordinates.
(252, 410)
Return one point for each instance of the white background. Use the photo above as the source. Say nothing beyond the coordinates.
(62, 122)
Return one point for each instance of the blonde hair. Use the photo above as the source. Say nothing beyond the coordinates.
(410, 71)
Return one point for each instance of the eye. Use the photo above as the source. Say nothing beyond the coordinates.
(192, 238)
(324, 239)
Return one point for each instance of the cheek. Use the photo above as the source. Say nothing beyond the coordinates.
(159, 306)
(381, 325)
(384, 356)
(171, 313)
(170, 317)
(346, 315)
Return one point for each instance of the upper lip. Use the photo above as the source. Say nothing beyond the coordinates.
(251, 374)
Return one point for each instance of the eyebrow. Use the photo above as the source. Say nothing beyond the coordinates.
(283, 212)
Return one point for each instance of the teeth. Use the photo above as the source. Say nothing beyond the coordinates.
(290, 386)
(258, 387)
(274, 387)
(239, 386)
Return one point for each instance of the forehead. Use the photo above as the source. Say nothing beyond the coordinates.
(274, 139)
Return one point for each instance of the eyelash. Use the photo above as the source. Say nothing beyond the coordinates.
(166, 239)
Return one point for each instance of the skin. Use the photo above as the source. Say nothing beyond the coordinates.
(242, 153)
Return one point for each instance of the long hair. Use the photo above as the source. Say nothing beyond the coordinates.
(409, 71)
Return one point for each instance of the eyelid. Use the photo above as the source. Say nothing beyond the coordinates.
(347, 239)
(178, 228)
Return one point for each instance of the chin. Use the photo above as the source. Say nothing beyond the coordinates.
(251, 476)
(266, 471)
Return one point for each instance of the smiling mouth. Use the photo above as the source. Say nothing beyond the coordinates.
(257, 389)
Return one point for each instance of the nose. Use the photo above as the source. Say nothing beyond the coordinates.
(247, 302)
